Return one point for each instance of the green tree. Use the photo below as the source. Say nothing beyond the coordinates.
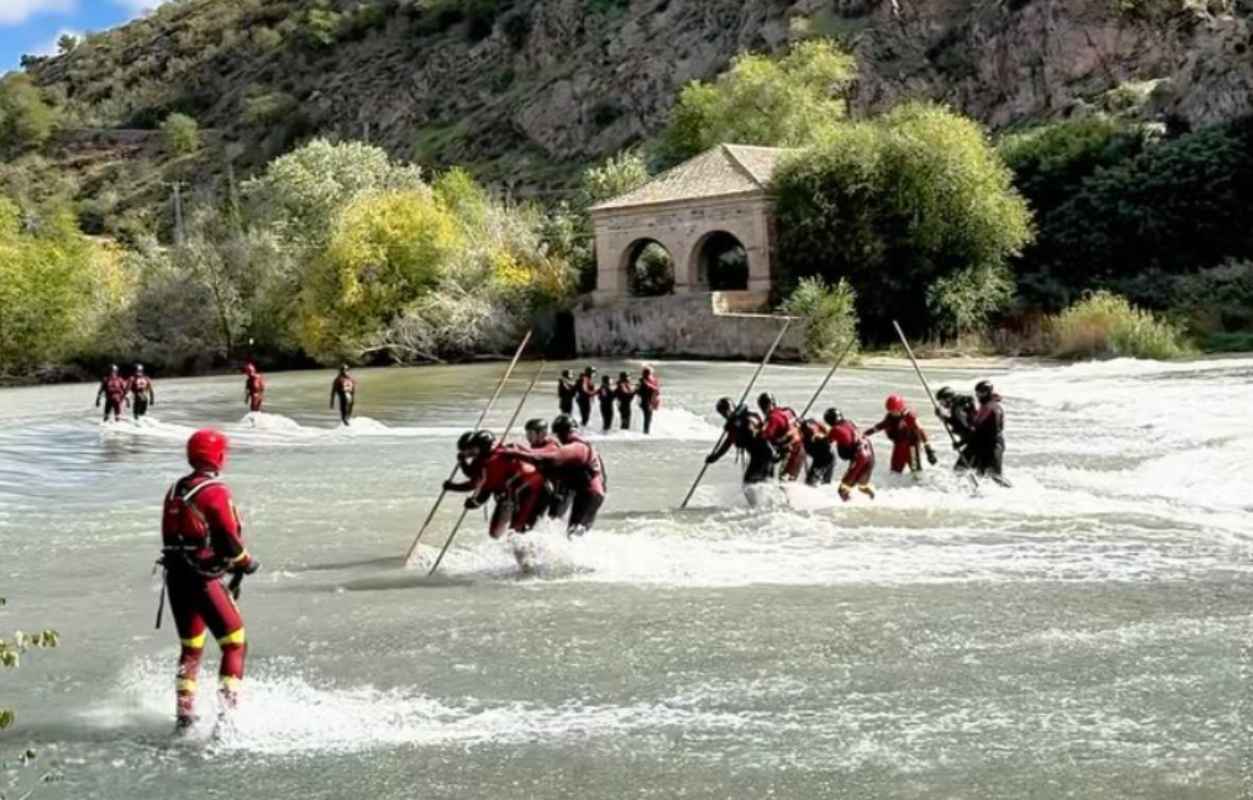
(614, 176)
(66, 43)
(897, 204)
(830, 314)
(786, 102)
(182, 134)
(26, 119)
(386, 251)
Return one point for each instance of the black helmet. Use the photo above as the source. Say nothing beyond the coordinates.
(483, 441)
(723, 406)
(537, 425)
(833, 416)
(589, 370)
(565, 373)
(463, 441)
(765, 401)
(622, 376)
(343, 369)
(983, 388)
(113, 368)
(945, 394)
(139, 367)
(604, 380)
(564, 425)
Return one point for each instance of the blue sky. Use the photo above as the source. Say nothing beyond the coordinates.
(33, 26)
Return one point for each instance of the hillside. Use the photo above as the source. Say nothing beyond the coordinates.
(525, 92)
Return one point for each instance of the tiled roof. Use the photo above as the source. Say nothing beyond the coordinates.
(727, 169)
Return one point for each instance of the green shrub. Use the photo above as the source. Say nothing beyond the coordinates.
(652, 272)
(268, 108)
(614, 176)
(830, 314)
(1105, 324)
(26, 120)
(1217, 300)
(902, 206)
(182, 134)
(786, 102)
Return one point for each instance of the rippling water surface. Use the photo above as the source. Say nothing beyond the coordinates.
(1084, 634)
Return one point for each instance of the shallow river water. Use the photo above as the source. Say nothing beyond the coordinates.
(1085, 634)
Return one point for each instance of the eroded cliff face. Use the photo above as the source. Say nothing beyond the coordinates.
(559, 83)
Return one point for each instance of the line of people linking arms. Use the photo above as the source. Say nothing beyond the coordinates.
(777, 439)
(583, 391)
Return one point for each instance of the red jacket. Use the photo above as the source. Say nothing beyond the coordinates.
(586, 387)
(200, 527)
(576, 465)
(255, 384)
(847, 439)
(780, 426)
(140, 385)
(502, 472)
(114, 387)
(903, 428)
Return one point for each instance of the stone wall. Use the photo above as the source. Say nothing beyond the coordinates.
(683, 325)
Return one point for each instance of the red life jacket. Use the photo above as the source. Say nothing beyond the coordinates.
(847, 439)
(586, 471)
(140, 384)
(115, 386)
(185, 533)
(256, 384)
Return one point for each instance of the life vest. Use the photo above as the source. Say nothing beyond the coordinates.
(115, 386)
(186, 537)
(345, 386)
(848, 440)
(140, 384)
(255, 384)
(585, 473)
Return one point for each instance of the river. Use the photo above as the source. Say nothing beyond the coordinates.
(1085, 634)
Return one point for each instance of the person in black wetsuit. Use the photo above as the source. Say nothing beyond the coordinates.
(605, 396)
(743, 432)
(625, 393)
(567, 388)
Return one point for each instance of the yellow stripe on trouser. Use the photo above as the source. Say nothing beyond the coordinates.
(235, 637)
(195, 642)
(229, 683)
(186, 686)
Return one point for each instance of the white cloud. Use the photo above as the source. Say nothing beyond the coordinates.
(49, 48)
(137, 6)
(15, 12)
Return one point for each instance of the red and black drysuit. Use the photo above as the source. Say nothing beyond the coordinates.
(566, 390)
(587, 391)
(987, 439)
(254, 390)
(625, 393)
(113, 390)
(606, 396)
(818, 447)
(908, 439)
(344, 389)
(142, 394)
(649, 392)
(858, 451)
(577, 469)
(741, 432)
(783, 433)
(202, 541)
(518, 487)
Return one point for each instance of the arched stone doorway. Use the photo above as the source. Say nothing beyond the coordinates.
(720, 262)
(649, 268)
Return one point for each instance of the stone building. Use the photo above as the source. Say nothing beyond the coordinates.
(715, 203)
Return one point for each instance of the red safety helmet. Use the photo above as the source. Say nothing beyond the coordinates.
(895, 404)
(206, 449)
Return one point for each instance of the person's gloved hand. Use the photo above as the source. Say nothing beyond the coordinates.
(711, 458)
(931, 455)
(868, 432)
(450, 486)
(252, 566)
(473, 503)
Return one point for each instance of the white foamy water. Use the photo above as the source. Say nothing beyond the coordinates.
(1084, 631)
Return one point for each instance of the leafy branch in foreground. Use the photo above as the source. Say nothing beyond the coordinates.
(11, 651)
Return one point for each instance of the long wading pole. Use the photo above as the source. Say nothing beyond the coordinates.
(743, 398)
(503, 437)
(413, 548)
(852, 340)
(952, 436)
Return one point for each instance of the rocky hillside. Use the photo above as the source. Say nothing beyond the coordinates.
(524, 92)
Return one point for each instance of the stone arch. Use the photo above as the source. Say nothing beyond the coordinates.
(636, 279)
(719, 261)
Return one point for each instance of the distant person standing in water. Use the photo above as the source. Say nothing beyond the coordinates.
(142, 393)
(988, 436)
(344, 389)
(587, 390)
(605, 396)
(567, 388)
(625, 394)
(254, 388)
(649, 392)
(113, 391)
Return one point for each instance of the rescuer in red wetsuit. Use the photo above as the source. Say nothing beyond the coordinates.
(649, 392)
(586, 393)
(254, 388)
(782, 431)
(576, 467)
(743, 432)
(854, 448)
(497, 472)
(113, 389)
(908, 437)
(202, 541)
(344, 389)
(142, 393)
(540, 442)
(624, 393)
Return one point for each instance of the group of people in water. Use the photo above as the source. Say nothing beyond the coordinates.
(775, 438)
(582, 391)
(557, 473)
(137, 392)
